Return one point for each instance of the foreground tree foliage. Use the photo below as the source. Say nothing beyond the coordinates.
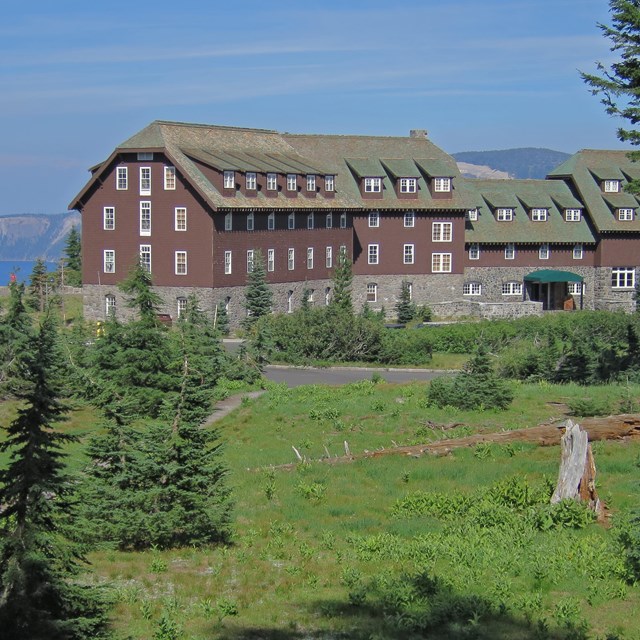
(156, 476)
(619, 85)
(71, 270)
(258, 294)
(41, 596)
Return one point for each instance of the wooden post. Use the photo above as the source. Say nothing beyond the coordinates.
(577, 475)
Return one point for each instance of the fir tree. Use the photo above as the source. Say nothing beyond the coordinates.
(342, 278)
(258, 294)
(405, 308)
(71, 269)
(222, 319)
(619, 85)
(41, 286)
(40, 597)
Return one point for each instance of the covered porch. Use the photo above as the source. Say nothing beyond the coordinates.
(551, 287)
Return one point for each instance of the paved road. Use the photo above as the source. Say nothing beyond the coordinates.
(296, 376)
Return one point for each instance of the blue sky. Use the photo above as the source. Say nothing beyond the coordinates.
(78, 78)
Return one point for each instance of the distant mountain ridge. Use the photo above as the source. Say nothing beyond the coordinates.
(524, 163)
(32, 236)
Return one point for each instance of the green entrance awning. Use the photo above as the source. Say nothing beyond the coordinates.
(551, 275)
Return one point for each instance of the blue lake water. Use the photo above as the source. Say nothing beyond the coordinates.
(22, 269)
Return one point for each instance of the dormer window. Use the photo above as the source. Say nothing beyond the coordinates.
(504, 214)
(408, 185)
(442, 185)
(625, 214)
(145, 156)
(373, 185)
(252, 182)
(229, 180)
(292, 182)
(472, 215)
(539, 215)
(572, 215)
(272, 181)
(611, 186)
(329, 183)
(311, 183)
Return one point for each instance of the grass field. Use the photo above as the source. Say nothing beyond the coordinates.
(350, 551)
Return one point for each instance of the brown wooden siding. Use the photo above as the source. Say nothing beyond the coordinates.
(617, 250)
(527, 256)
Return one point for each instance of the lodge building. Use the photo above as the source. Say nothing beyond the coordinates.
(196, 203)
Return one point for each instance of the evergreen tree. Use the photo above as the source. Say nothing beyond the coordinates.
(258, 294)
(40, 597)
(41, 287)
(71, 269)
(405, 308)
(222, 319)
(619, 85)
(342, 279)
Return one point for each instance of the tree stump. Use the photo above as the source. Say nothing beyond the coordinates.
(577, 475)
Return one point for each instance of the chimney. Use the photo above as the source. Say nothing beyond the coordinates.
(418, 133)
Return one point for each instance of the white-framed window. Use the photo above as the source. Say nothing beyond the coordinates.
(310, 258)
(271, 221)
(510, 251)
(272, 182)
(543, 251)
(441, 231)
(408, 254)
(227, 262)
(575, 288)
(310, 295)
(271, 259)
(441, 185)
(572, 215)
(291, 261)
(328, 257)
(169, 178)
(623, 278)
(512, 288)
(408, 185)
(539, 215)
(310, 220)
(409, 219)
(329, 221)
(145, 156)
(373, 253)
(578, 251)
(472, 214)
(181, 306)
(250, 260)
(343, 220)
(441, 262)
(410, 289)
(181, 219)
(291, 220)
(122, 179)
(327, 296)
(229, 179)
(228, 221)
(373, 185)
(474, 251)
(471, 289)
(145, 257)
(374, 218)
(109, 305)
(625, 214)
(311, 183)
(227, 304)
(251, 181)
(289, 301)
(145, 181)
(109, 261)
(504, 214)
(611, 186)
(329, 183)
(372, 292)
(145, 218)
(292, 182)
(250, 220)
(109, 218)
(181, 263)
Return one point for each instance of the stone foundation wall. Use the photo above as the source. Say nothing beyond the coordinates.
(473, 309)
(608, 299)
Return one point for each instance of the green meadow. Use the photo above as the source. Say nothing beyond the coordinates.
(458, 546)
